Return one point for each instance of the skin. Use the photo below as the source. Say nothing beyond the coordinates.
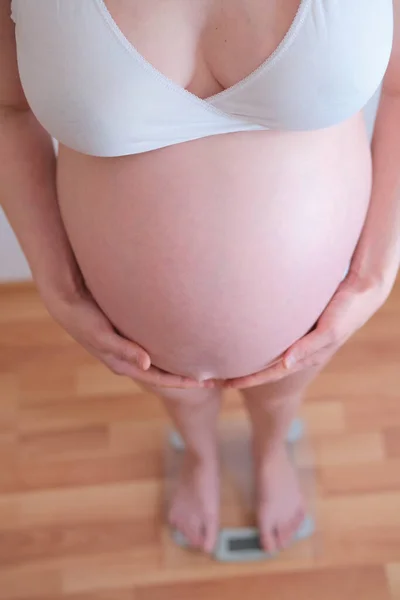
(29, 193)
(163, 213)
(375, 263)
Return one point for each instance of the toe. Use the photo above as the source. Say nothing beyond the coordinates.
(182, 524)
(173, 519)
(297, 521)
(286, 532)
(289, 531)
(194, 528)
(268, 541)
(283, 536)
(267, 538)
(267, 534)
(210, 534)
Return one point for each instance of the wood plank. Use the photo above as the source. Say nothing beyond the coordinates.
(330, 584)
(359, 478)
(75, 411)
(82, 476)
(393, 575)
(20, 583)
(94, 379)
(30, 544)
(392, 442)
(364, 448)
(132, 500)
(92, 471)
(50, 446)
(324, 417)
(119, 570)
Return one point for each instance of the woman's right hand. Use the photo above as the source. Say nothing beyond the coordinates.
(78, 313)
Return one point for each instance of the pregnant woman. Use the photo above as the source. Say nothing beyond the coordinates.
(214, 183)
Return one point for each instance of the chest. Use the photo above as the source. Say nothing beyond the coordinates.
(118, 77)
(204, 45)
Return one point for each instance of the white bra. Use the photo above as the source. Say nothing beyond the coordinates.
(93, 91)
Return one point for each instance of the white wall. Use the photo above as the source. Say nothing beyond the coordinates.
(13, 265)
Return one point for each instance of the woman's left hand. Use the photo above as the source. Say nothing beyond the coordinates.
(353, 304)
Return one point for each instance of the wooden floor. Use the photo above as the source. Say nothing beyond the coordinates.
(81, 477)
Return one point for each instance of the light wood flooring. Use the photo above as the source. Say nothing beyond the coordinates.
(82, 464)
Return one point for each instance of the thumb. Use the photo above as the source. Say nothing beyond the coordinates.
(128, 351)
(133, 352)
(306, 346)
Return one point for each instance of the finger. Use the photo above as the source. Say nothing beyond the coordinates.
(152, 376)
(311, 344)
(319, 359)
(312, 350)
(101, 335)
(157, 377)
(274, 373)
(126, 350)
(273, 369)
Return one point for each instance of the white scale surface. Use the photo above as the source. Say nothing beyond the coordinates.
(241, 544)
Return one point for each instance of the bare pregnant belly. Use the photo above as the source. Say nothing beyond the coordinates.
(216, 255)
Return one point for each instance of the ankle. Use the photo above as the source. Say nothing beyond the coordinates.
(201, 456)
(269, 451)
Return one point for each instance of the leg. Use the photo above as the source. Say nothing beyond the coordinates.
(272, 408)
(194, 509)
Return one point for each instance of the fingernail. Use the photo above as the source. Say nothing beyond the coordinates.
(290, 361)
(145, 363)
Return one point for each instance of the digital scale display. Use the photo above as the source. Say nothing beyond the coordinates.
(245, 544)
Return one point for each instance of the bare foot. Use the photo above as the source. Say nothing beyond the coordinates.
(195, 507)
(280, 501)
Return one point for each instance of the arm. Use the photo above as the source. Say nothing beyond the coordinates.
(27, 178)
(28, 195)
(377, 257)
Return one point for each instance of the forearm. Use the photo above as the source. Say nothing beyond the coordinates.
(29, 199)
(377, 257)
